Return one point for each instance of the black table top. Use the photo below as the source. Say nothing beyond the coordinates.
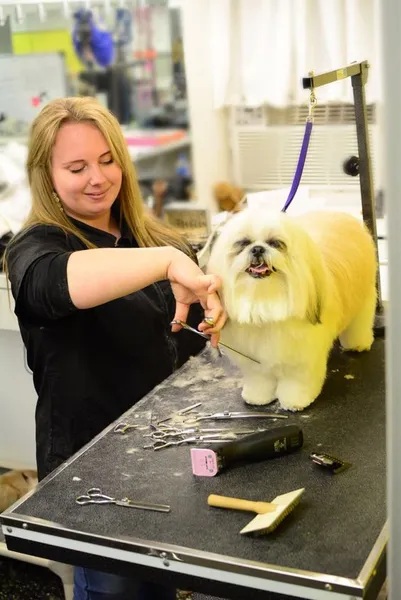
(333, 529)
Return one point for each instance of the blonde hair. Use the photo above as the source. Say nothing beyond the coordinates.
(147, 230)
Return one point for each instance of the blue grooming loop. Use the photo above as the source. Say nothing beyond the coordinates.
(304, 150)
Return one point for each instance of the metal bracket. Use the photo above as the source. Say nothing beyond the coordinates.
(359, 76)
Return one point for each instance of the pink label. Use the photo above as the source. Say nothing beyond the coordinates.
(204, 462)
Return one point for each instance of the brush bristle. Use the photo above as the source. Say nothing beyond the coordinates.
(256, 526)
(281, 517)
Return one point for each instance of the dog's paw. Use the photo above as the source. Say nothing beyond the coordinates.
(294, 398)
(259, 390)
(256, 399)
(356, 341)
(294, 406)
(357, 348)
(297, 394)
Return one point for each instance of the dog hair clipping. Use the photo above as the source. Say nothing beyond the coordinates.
(331, 463)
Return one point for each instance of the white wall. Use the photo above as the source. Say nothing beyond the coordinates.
(17, 394)
(209, 131)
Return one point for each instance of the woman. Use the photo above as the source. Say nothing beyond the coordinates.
(96, 283)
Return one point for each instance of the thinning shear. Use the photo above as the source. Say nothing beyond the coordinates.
(207, 337)
(95, 496)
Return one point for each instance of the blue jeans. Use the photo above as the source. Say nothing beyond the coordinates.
(95, 585)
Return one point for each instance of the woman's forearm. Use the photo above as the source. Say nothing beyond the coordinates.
(104, 274)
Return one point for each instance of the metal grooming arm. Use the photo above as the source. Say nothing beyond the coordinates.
(359, 76)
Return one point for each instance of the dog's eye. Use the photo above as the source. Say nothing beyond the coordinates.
(278, 244)
(243, 243)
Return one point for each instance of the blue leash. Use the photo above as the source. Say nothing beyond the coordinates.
(300, 165)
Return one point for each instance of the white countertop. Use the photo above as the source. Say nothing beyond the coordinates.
(138, 151)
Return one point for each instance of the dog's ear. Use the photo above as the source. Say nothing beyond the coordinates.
(314, 310)
(316, 289)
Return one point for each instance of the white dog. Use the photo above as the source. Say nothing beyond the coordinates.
(291, 286)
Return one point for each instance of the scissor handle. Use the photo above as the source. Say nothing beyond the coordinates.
(82, 500)
(86, 499)
(160, 444)
(120, 428)
(124, 427)
(160, 435)
(94, 496)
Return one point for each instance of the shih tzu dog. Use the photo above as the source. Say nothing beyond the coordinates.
(291, 287)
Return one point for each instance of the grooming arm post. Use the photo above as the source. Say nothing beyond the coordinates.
(365, 167)
(359, 74)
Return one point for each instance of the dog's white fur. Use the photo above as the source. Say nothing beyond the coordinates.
(322, 286)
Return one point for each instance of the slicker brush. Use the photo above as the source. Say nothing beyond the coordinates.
(270, 514)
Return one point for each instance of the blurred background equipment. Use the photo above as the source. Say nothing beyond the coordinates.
(25, 87)
(351, 166)
(93, 44)
(142, 58)
(127, 53)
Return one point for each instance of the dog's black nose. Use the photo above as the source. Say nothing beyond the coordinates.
(257, 250)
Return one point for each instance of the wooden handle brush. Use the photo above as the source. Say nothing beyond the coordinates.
(270, 514)
(237, 504)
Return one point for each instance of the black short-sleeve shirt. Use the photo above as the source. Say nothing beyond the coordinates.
(89, 366)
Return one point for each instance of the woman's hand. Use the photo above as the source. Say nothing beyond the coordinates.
(189, 285)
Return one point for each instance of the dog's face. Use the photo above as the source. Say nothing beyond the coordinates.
(270, 268)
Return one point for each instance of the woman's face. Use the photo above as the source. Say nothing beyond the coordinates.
(85, 177)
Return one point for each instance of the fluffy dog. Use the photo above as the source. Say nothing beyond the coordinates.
(14, 485)
(291, 286)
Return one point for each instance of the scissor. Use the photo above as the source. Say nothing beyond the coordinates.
(212, 438)
(226, 415)
(160, 433)
(95, 496)
(207, 337)
(171, 432)
(124, 427)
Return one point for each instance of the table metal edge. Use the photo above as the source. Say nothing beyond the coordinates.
(259, 575)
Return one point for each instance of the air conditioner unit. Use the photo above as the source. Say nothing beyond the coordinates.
(266, 142)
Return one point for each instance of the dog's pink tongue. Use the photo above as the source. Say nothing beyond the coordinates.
(259, 269)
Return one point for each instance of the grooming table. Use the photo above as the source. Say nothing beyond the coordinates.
(331, 546)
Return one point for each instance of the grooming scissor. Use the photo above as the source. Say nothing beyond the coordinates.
(164, 433)
(226, 415)
(95, 496)
(207, 337)
(212, 438)
(160, 433)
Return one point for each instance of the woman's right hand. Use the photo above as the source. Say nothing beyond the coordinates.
(190, 285)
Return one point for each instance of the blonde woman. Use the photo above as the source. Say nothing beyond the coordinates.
(96, 283)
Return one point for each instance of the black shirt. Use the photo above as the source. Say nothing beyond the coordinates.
(89, 366)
